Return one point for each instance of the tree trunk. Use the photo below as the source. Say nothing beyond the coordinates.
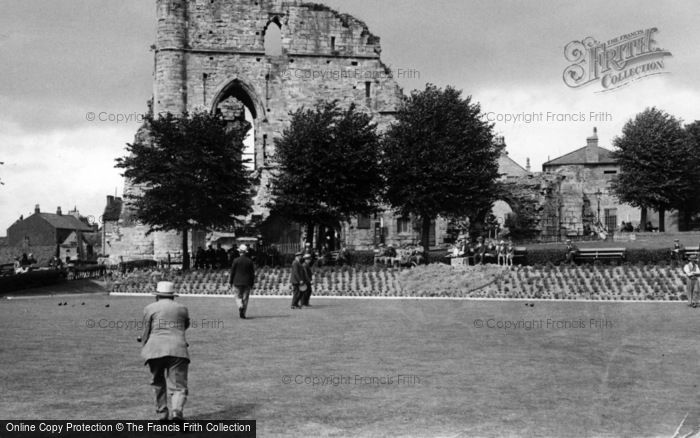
(643, 220)
(185, 251)
(310, 234)
(685, 216)
(662, 220)
(425, 238)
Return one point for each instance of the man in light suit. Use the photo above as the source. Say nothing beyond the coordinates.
(165, 350)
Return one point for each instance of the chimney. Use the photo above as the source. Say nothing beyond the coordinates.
(592, 147)
(36, 209)
(527, 165)
(58, 211)
(110, 200)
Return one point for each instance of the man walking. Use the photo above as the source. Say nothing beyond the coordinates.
(242, 279)
(306, 295)
(165, 350)
(298, 280)
(691, 271)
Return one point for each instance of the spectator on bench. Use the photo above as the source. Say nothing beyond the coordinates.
(678, 250)
(571, 251)
(510, 253)
(479, 251)
(501, 252)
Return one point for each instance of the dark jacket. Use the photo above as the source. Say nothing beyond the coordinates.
(242, 272)
(298, 273)
(309, 272)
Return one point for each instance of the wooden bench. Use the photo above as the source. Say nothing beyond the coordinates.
(592, 254)
(7, 269)
(690, 252)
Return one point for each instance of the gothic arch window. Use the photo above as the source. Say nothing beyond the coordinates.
(273, 38)
(237, 106)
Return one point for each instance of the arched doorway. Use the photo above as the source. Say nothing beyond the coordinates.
(238, 105)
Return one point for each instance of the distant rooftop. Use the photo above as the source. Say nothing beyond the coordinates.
(591, 154)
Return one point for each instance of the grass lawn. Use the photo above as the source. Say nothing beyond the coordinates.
(634, 375)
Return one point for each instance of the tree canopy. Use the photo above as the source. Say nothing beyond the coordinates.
(191, 174)
(440, 158)
(327, 166)
(658, 166)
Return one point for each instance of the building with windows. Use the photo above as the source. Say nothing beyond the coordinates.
(587, 202)
(53, 234)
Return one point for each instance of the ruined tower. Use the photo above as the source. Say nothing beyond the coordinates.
(211, 55)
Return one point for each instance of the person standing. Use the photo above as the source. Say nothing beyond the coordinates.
(308, 270)
(242, 279)
(164, 348)
(298, 280)
(691, 271)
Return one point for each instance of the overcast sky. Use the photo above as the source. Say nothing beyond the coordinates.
(63, 59)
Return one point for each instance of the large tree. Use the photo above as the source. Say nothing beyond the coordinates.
(657, 167)
(191, 172)
(440, 158)
(327, 166)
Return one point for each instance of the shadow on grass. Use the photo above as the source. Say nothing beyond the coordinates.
(233, 412)
(266, 317)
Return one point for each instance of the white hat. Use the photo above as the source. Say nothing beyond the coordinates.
(243, 248)
(165, 289)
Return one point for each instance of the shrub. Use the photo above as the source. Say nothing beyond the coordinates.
(30, 280)
(648, 256)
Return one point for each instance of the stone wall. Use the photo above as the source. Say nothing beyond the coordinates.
(42, 253)
(208, 51)
(580, 203)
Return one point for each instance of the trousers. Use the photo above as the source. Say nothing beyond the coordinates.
(306, 296)
(296, 295)
(169, 378)
(242, 296)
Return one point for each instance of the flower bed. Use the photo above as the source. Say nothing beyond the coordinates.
(593, 282)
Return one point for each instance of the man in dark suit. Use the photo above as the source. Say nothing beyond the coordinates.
(242, 279)
(298, 280)
(308, 270)
(165, 350)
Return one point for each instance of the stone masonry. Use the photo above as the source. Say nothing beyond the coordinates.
(209, 52)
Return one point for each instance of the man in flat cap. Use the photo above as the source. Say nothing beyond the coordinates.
(242, 279)
(165, 350)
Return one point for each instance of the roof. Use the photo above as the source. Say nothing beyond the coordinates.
(64, 222)
(579, 157)
(509, 167)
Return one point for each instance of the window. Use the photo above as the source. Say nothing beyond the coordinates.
(368, 89)
(364, 222)
(332, 44)
(610, 172)
(611, 219)
(403, 225)
(273, 39)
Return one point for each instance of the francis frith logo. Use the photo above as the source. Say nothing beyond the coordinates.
(616, 62)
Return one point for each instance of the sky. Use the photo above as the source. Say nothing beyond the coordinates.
(64, 61)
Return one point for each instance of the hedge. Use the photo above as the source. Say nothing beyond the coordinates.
(30, 280)
(543, 256)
